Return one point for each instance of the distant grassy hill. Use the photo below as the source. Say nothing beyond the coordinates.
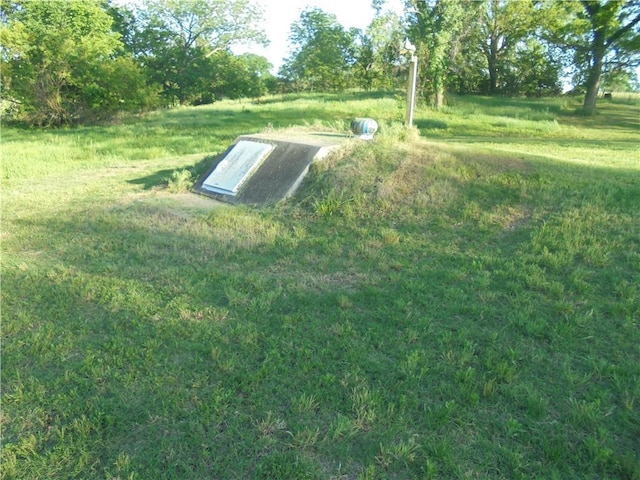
(461, 300)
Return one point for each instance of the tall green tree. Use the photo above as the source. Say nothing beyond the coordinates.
(126, 24)
(322, 52)
(516, 61)
(62, 63)
(378, 62)
(602, 34)
(436, 27)
(532, 70)
(214, 24)
(612, 23)
(178, 37)
(504, 25)
(482, 46)
(238, 76)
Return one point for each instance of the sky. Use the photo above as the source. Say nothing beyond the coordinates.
(280, 14)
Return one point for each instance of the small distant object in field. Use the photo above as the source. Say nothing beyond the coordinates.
(364, 128)
(608, 96)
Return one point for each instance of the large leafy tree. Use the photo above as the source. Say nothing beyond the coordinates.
(532, 70)
(436, 27)
(378, 53)
(178, 37)
(238, 76)
(604, 36)
(505, 25)
(211, 24)
(481, 46)
(506, 32)
(323, 52)
(62, 63)
(126, 24)
(612, 24)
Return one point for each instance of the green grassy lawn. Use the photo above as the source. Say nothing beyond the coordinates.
(463, 303)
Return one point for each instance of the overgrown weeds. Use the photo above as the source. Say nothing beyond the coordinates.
(181, 181)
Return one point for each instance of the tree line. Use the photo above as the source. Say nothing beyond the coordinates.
(73, 61)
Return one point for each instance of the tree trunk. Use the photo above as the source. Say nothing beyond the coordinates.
(494, 41)
(439, 97)
(593, 81)
(589, 106)
(598, 49)
(493, 65)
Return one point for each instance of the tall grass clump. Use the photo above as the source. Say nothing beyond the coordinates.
(181, 181)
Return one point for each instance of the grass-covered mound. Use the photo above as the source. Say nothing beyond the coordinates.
(462, 303)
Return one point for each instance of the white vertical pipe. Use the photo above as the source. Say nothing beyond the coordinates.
(411, 91)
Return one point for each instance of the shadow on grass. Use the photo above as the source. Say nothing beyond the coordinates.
(161, 177)
(508, 106)
(473, 138)
(429, 124)
(154, 180)
(247, 120)
(564, 109)
(334, 97)
(614, 116)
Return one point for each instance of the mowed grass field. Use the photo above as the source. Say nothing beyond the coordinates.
(461, 301)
